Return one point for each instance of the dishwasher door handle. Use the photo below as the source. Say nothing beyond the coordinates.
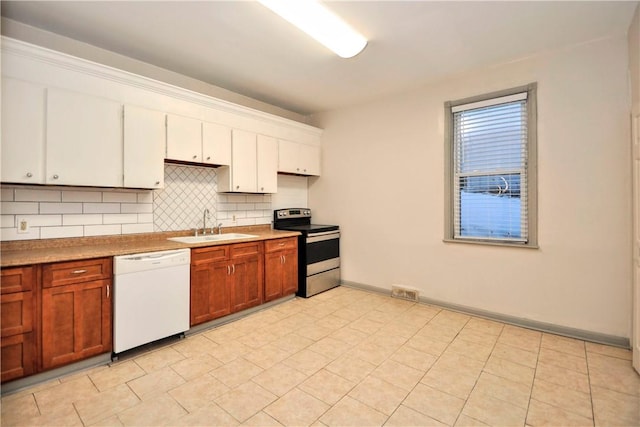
(150, 258)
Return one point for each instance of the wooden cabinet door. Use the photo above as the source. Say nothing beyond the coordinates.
(289, 272)
(267, 164)
(84, 140)
(23, 152)
(144, 147)
(17, 311)
(210, 296)
(18, 356)
(76, 322)
(247, 276)
(216, 144)
(272, 276)
(184, 138)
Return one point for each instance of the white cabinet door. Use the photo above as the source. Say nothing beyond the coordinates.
(288, 156)
(23, 107)
(216, 144)
(144, 147)
(243, 162)
(309, 160)
(184, 139)
(267, 162)
(84, 140)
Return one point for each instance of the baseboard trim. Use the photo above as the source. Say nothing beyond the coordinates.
(581, 334)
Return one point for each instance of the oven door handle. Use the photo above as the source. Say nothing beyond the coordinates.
(319, 237)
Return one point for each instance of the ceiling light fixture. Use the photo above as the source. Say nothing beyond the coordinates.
(320, 23)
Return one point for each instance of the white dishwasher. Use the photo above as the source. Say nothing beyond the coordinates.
(151, 297)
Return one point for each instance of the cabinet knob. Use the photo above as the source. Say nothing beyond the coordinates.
(305, 170)
(195, 157)
(297, 169)
(261, 188)
(55, 176)
(237, 187)
(29, 174)
(208, 157)
(157, 182)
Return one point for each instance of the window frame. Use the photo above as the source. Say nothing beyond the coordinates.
(531, 168)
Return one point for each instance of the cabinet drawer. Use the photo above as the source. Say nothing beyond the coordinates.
(281, 244)
(243, 249)
(212, 253)
(16, 313)
(67, 273)
(17, 279)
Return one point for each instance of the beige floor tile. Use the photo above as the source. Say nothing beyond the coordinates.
(314, 331)
(229, 351)
(113, 421)
(307, 361)
(614, 408)
(515, 355)
(333, 322)
(330, 347)
(106, 404)
(351, 368)
(293, 343)
(158, 359)
(31, 390)
(210, 415)
(245, 401)
(405, 416)
(59, 398)
(477, 336)
(608, 364)
(162, 410)
(257, 339)
(157, 382)
(413, 358)
(224, 334)
(327, 386)
(14, 410)
(471, 349)
(564, 360)
(194, 345)
(543, 414)
(64, 416)
(198, 392)
(607, 350)
(451, 319)
(261, 419)
(509, 391)
(367, 326)
(116, 374)
(624, 382)
(493, 411)
(427, 345)
(510, 370)
(450, 381)
(398, 374)
(267, 356)
(523, 342)
(436, 404)
(466, 421)
(351, 412)
(349, 336)
(348, 313)
(296, 408)
(563, 398)
(379, 394)
(236, 372)
(440, 332)
(563, 344)
(485, 326)
(279, 379)
(196, 366)
(370, 352)
(462, 364)
(563, 377)
(388, 340)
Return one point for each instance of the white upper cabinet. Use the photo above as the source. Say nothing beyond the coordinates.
(144, 147)
(23, 109)
(184, 139)
(241, 175)
(298, 158)
(216, 144)
(267, 153)
(84, 140)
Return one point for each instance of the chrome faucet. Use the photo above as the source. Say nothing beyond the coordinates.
(220, 228)
(205, 215)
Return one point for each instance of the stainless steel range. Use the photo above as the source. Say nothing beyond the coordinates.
(318, 250)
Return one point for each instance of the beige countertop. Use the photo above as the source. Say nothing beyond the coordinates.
(25, 252)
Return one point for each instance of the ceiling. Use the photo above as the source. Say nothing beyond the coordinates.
(243, 47)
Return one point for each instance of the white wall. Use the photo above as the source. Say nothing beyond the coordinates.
(383, 183)
(634, 58)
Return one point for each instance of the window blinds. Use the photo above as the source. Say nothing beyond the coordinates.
(490, 164)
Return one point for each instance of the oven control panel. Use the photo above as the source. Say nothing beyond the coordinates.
(293, 213)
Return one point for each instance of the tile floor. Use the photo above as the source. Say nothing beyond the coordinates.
(348, 357)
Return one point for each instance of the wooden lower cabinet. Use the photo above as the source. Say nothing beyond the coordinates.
(76, 311)
(225, 279)
(281, 268)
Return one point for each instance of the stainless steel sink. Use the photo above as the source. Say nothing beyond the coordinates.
(211, 238)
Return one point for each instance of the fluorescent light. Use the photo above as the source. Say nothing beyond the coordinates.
(320, 23)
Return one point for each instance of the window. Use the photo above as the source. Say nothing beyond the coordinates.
(491, 168)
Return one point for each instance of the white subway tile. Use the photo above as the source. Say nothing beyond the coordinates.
(33, 195)
(60, 208)
(222, 215)
(263, 220)
(7, 234)
(19, 208)
(246, 206)
(7, 221)
(120, 197)
(59, 232)
(137, 208)
(227, 223)
(246, 221)
(137, 228)
(43, 220)
(227, 207)
(253, 214)
(100, 208)
(7, 194)
(238, 214)
(263, 206)
(81, 219)
(82, 196)
(102, 230)
(145, 217)
(255, 198)
(222, 198)
(145, 197)
(236, 198)
(120, 219)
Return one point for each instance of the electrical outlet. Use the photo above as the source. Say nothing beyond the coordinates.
(234, 219)
(23, 225)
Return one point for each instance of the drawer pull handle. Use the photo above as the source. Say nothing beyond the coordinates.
(108, 291)
(79, 271)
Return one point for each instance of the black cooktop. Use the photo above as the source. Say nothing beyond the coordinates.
(308, 228)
